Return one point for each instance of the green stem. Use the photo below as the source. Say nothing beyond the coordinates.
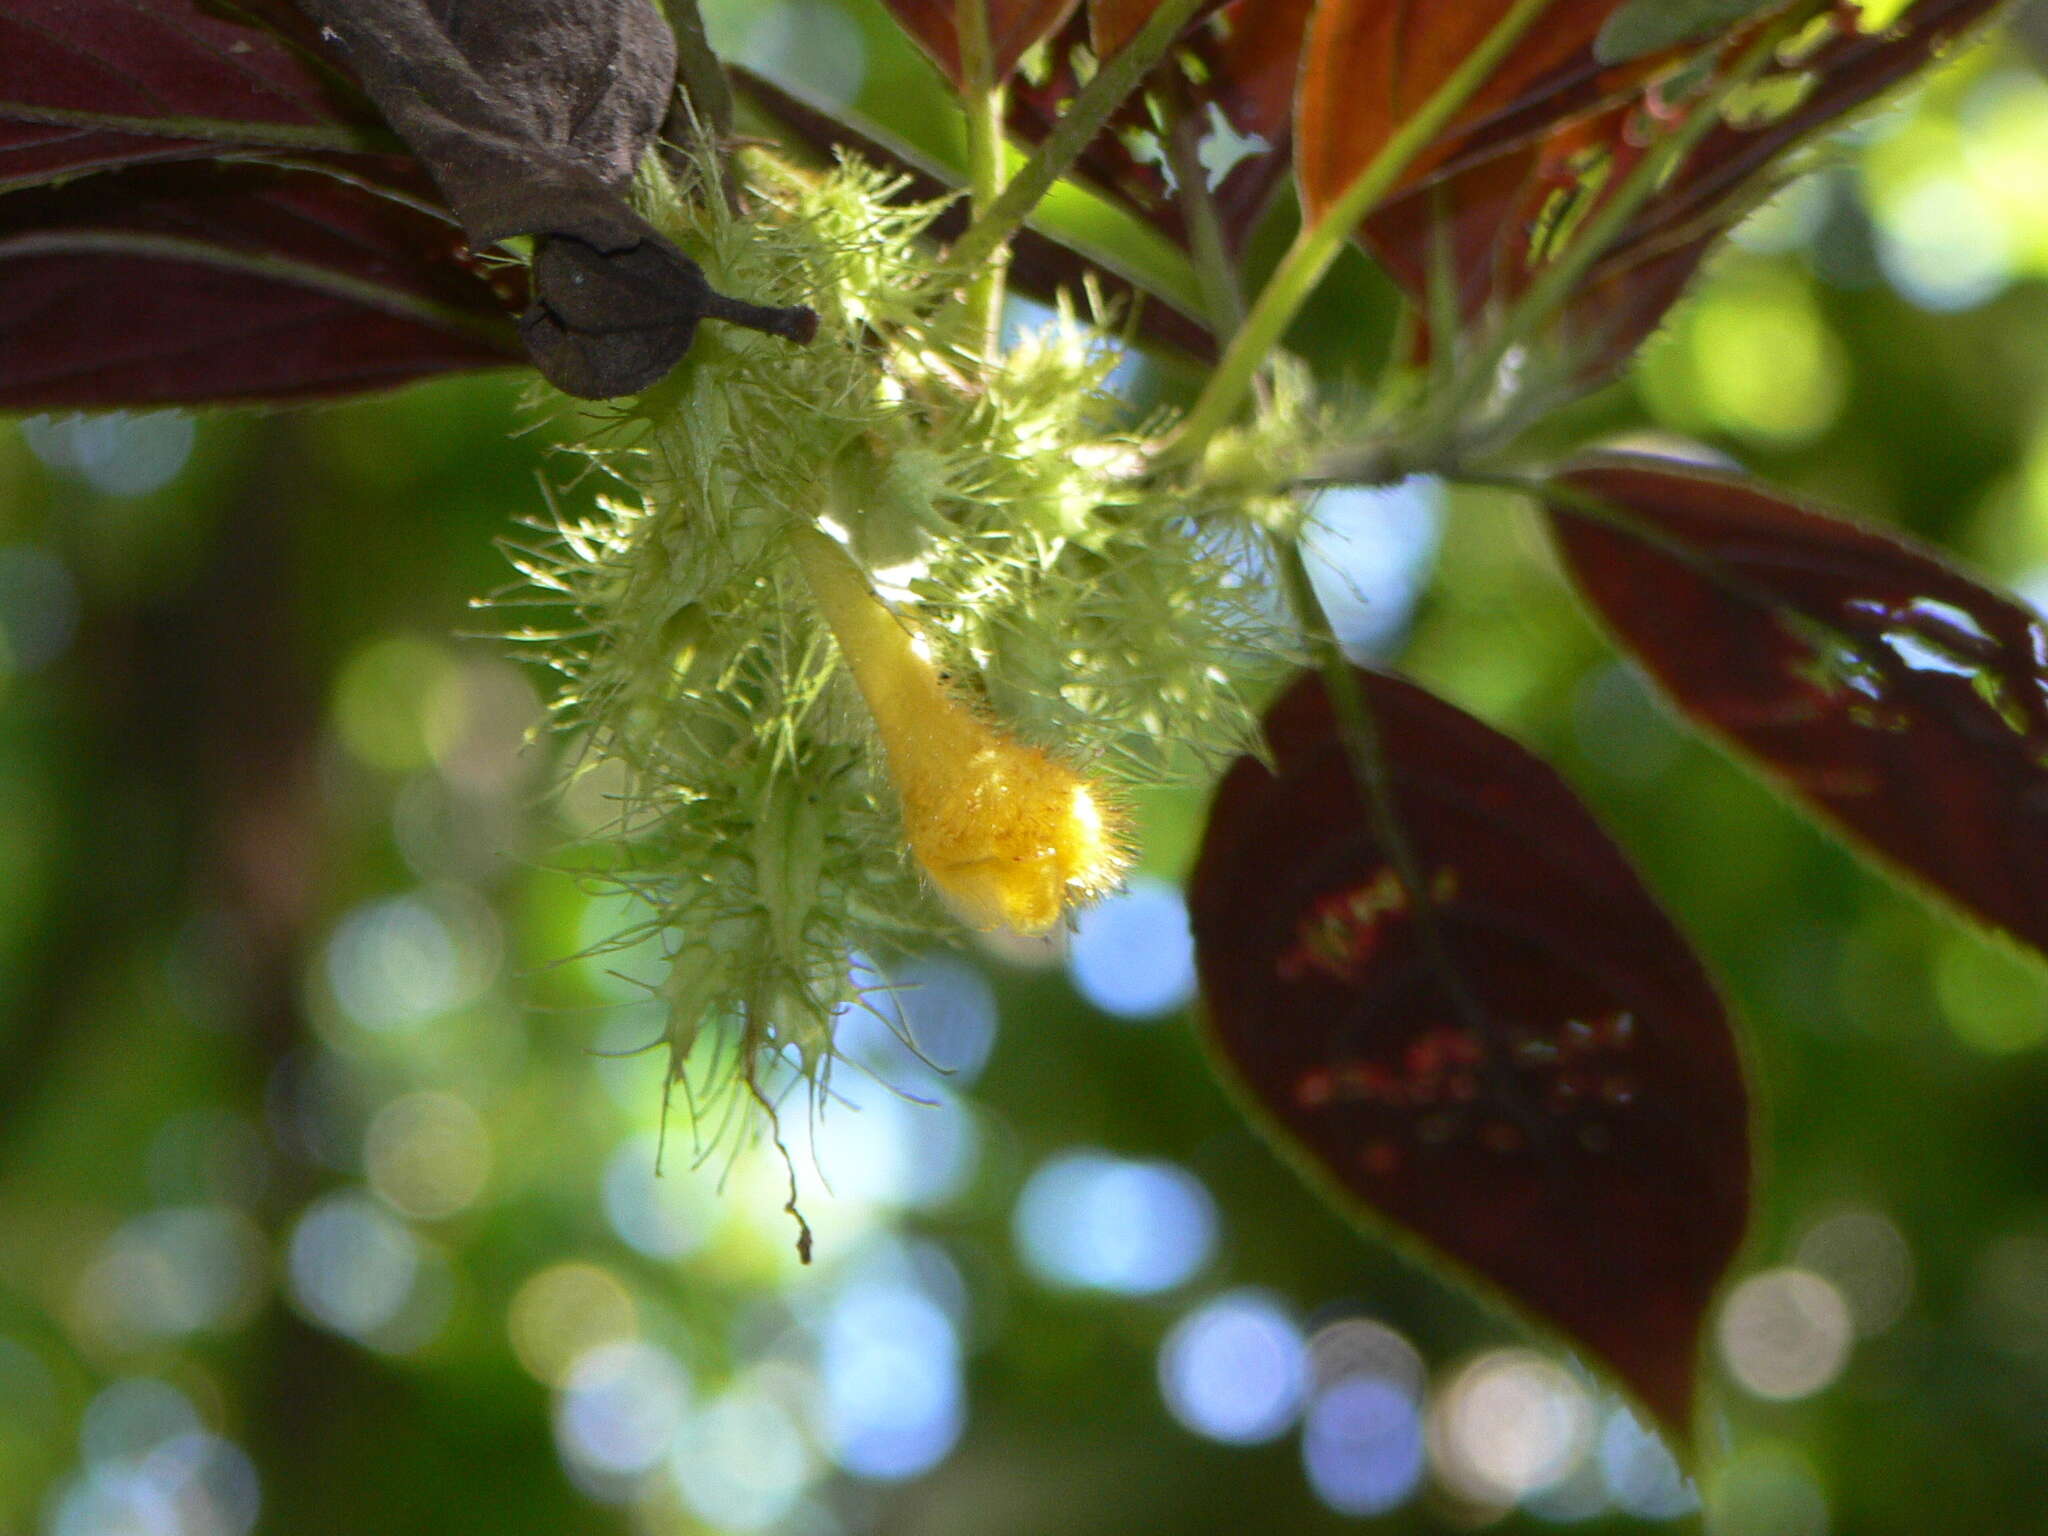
(984, 101)
(1320, 241)
(1077, 127)
(1222, 293)
(1357, 729)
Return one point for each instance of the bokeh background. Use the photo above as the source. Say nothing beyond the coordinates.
(328, 1194)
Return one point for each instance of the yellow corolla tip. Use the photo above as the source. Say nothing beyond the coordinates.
(1010, 837)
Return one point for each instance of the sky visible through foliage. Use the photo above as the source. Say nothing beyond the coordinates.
(414, 1271)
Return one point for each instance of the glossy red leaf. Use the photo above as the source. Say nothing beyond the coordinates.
(1902, 702)
(1371, 64)
(1530, 1073)
(1491, 205)
(86, 85)
(187, 283)
(1014, 26)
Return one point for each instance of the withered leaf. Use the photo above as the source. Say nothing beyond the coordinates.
(532, 116)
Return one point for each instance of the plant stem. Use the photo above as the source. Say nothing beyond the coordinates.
(1222, 293)
(1077, 126)
(984, 100)
(1320, 241)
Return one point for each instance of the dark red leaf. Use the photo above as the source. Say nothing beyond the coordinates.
(1013, 27)
(1112, 23)
(1531, 1072)
(1492, 204)
(1372, 64)
(1900, 701)
(187, 283)
(90, 84)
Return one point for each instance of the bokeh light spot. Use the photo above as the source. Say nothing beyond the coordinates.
(894, 1399)
(661, 1216)
(1234, 1369)
(1509, 1424)
(129, 1418)
(1133, 954)
(1865, 1256)
(1362, 1445)
(428, 1154)
(119, 453)
(1093, 1221)
(353, 1265)
(1642, 1477)
(620, 1405)
(1993, 1000)
(562, 1312)
(743, 1461)
(175, 1271)
(1785, 1333)
(392, 703)
(1765, 1490)
(1941, 245)
(398, 961)
(1364, 1346)
(1369, 551)
(886, 1149)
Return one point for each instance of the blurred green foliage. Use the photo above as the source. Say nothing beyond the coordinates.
(327, 1195)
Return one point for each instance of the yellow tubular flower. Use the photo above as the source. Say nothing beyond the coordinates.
(1010, 836)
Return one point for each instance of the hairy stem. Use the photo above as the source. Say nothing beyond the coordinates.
(984, 99)
(1320, 241)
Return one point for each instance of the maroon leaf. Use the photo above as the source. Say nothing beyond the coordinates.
(1372, 64)
(1900, 701)
(1013, 27)
(310, 266)
(86, 85)
(187, 283)
(1530, 1072)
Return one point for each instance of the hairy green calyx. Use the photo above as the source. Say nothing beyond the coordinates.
(848, 608)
